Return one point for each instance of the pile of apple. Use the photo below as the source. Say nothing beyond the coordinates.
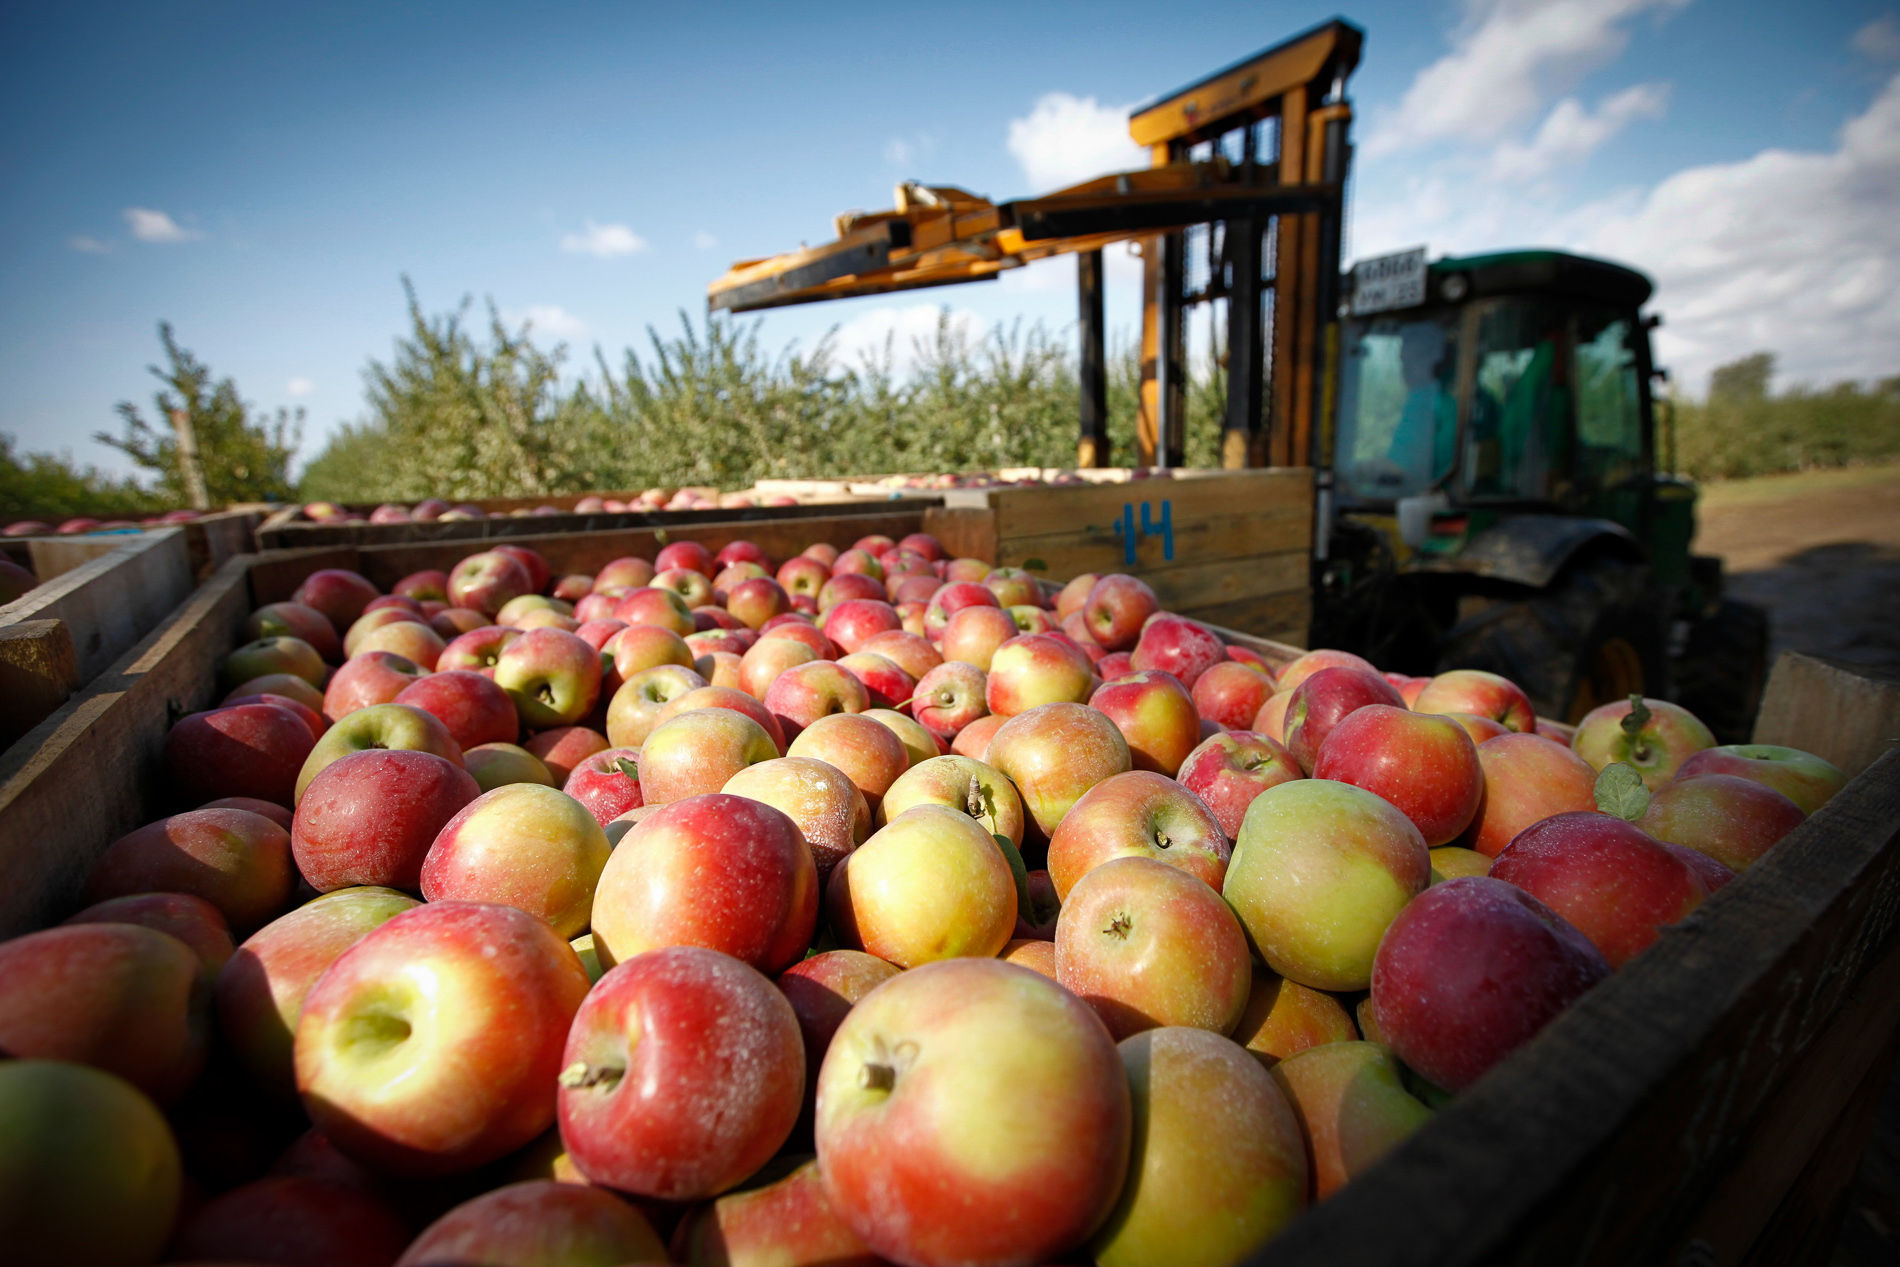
(867, 906)
(79, 525)
(432, 509)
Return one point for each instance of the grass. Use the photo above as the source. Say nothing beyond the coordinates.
(1760, 489)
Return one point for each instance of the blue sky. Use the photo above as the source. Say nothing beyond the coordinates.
(263, 175)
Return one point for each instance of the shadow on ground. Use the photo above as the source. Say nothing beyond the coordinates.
(1840, 600)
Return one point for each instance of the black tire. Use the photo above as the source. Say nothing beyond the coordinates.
(1724, 668)
(1589, 637)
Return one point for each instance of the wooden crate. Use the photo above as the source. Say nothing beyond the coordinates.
(1229, 548)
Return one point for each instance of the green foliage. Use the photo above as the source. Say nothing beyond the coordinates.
(42, 486)
(1742, 430)
(245, 456)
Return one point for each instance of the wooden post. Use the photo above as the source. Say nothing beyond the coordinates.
(188, 463)
(1091, 448)
(1172, 435)
(1292, 303)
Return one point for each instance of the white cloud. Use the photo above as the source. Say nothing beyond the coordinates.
(90, 245)
(299, 387)
(1508, 58)
(704, 240)
(551, 319)
(899, 331)
(1066, 139)
(898, 152)
(604, 240)
(148, 225)
(1879, 39)
(1570, 133)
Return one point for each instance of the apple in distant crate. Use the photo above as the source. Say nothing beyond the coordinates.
(1227, 771)
(375, 677)
(379, 726)
(1054, 754)
(1321, 701)
(1230, 694)
(1155, 715)
(1470, 971)
(538, 1221)
(522, 845)
(694, 753)
(1423, 763)
(1137, 814)
(1475, 691)
(1353, 1108)
(1731, 819)
(930, 884)
(236, 860)
(719, 871)
(1652, 735)
(1527, 778)
(820, 799)
(1116, 608)
(432, 1046)
(1807, 780)
(802, 694)
(1145, 943)
(552, 677)
(338, 593)
(294, 620)
(370, 818)
(486, 581)
(890, 1127)
(474, 709)
(635, 708)
(242, 750)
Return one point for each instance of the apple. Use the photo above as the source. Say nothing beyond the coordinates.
(912, 1075)
(1156, 716)
(1228, 770)
(273, 655)
(962, 784)
(803, 576)
(1116, 608)
(294, 620)
(916, 589)
(488, 580)
(291, 1218)
(854, 622)
(494, 765)
(1423, 763)
(1470, 971)
(393, 611)
(820, 799)
(1036, 669)
(1284, 1018)
(240, 750)
(1054, 754)
(1301, 667)
(431, 583)
(822, 989)
(538, 1221)
(517, 609)
(790, 1219)
(607, 783)
(1179, 646)
(378, 726)
(539, 573)
(974, 634)
(636, 707)
(869, 753)
(375, 677)
(412, 641)
(284, 685)
(1807, 780)
(806, 692)
(802, 631)
(949, 697)
(888, 686)
(694, 588)
(1230, 694)
(930, 884)
(1730, 818)
(757, 600)
(1322, 700)
(731, 574)
(694, 753)
(1013, 587)
(432, 1046)
(478, 649)
(521, 845)
(685, 554)
(1352, 1106)
(1475, 691)
(919, 743)
(714, 696)
(1074, 596)
(370, 818)
(627, 573)
(718, 871)
(1318, 873)
(959, 570)
(192, 920)
(552, 676)
(469, 705)
(952, 598)
(1656, 739)
(563, 748)
(236, 860)
(338, 593)
(653, 606)
(765, 659)
(845, 586)
(1527, 778)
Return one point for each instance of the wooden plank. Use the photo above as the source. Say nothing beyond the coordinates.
(215, 539)
(1595, 1142)
(1187, 588)
(111, 602)
(1033, 512)
(90, 772)
(966, 532)
(49, 557)
(276, 574)
(1279, 619)
(1841, 713)
(38, 672)
(1269, 530)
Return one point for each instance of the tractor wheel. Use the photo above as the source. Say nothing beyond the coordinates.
(1584, 640)
(1724, 668)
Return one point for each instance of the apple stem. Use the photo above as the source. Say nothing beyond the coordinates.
(876, 1077)
(1633, 723)
(581, 1075)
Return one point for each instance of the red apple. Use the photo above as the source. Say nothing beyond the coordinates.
(563, 748)
(870, 754)
(1526, 779)
(235, 860)
(487, 580)
(338, 593)
(607, 784)
(1137, 814)
(950, 697)
(1054, 754)
(468, 704)
(1036, 669)
(538, 1222)
(1116, 608)
(1227, 771)
(294, 620)
(373, 678)
(1802, 777)
(525, 846)
(1423, 763)
(1321, 701)
(243, 750)
(806, 692)
(820, 799)
(1475, 691)
(1155, 715)
(478, 649)
(192, 920)
(371, 817)
(379, 726)
(1230, 694)
(552, 677)
(694, 753)
(1732, 819)
(1179, 646)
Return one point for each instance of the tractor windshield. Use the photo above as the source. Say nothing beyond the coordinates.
(1398, 405)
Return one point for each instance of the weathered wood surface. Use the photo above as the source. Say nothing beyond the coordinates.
(216, 539)
(112, 599)
(38, 672)
(1836, 711)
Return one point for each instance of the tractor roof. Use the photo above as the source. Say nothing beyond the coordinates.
(1507, 272)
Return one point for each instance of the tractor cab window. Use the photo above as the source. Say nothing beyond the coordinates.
(1610, 451)
(1398, 406)
(1517, 436)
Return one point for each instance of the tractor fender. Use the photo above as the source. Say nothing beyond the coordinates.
(1532, 549)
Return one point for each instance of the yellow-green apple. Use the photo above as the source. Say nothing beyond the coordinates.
(685, 554)
(910, 652)
(564, 747)
(1527, 778)
(694, 753)
(820, 799)
(432, 1045)
(789, 1220)
(469, 704)
(650, 605)
(1470, 972)
(375, 677)
(1177, 645)
(733, 574)
(412, 641)
(1732, 819)
(919, 743)
(869, 753)
(428, 583)
(1450, 861)
(930, 884)
(803, 576)
(478, 649)
(260, 992)
(1230, 694)
(522, 845)
(515, 609)
(123, 998)
(821, 990)
(1074, 596)
(538, 1222)
(552, 676)
(1352, 1107)
(1146, 944)
(539, 573)
(292, 1218)
(294, 620)
(904, 1160)
(1807, 780)
(371, 817)
(1013, 587)
(240, 750)
(1284, 1018)
(723, 697)
(765, 659)
(191, 920)
(1155, 715)
(974, 634)
(695, 588)
(953, 598)
(338, 593)
(1423, 763)
(1322, 700)
(379, 726)
(636, 707)
(607, 783)
(859, 560)
(950, 697)
(1301, 667)
(805, 632)
(856, 621)
(1054, 754)
(1319, 871)
(888, 686)
(804, 693)
(1035, 669)
(627, 573)
(845, 586)
(1218, 1166)
(1652, 735)
(719, 871)
(965, 569)
(374, 618)
(1610, 879)
(1137, 814)
(488, 580)
(962, 784)
(287, 685)
(92, 1172)
(1475, 691)
(280, 654)
(1229, 769)
(974, 739)
(494, 765)
(236, 860)
(1115, 609)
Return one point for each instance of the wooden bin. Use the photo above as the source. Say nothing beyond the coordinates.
(1229, 548)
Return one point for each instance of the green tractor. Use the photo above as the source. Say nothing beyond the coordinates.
(1497, 496)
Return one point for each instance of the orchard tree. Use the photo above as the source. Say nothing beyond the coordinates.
(244, 454)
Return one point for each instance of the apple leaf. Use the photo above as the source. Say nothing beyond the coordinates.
(1035, 565)
(659, 536)
(1620, 792)
(624, 765)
